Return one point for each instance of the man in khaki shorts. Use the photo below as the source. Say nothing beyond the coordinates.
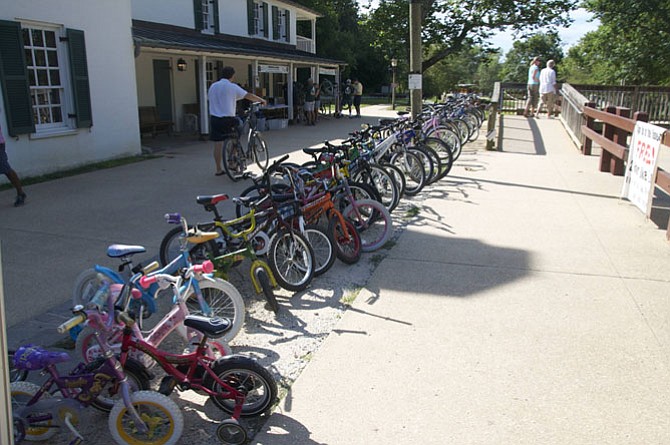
(548, 89)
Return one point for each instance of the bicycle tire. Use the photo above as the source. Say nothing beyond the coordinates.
(443, 152)
(291, 260)
(373, 223)
(427, 161)
(224, 300)
(397, 176)
(322, 246)
(259, 149)
(247, 376)
(137, 377)
(264, 282)
(450, 137)
(347, 248)
(149, 404)
(21, 393)
(170, 247)
(85, 286)
(257, 192)
(233, 159)
(412, 168)
(382, 181)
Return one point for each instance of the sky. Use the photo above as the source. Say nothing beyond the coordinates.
(569, 36)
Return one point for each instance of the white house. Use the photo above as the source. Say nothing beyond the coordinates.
(67, 74)
(75, 73)
(181, 44)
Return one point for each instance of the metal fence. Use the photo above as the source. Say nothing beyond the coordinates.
(655, 101)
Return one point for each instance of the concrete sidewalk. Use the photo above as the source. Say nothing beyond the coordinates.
(524, 304)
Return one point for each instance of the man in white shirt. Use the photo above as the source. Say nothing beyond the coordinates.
(223, 96)
(548, 89)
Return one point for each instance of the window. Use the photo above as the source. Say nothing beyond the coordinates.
(44, 78)
(47, 93)
(258, 20)
(282, 25)
(207, 18)
(281, 22)
(206, 13)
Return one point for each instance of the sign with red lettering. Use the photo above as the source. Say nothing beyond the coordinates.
(638, 183)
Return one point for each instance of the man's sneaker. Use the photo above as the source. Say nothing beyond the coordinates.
(20, 200)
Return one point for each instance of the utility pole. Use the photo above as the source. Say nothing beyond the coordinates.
(415, 91)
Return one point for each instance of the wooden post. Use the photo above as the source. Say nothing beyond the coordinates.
(590, 123)
(491, 127)
(609, 132)
(620, 138)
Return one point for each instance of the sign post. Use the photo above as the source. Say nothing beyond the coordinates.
(638, 185)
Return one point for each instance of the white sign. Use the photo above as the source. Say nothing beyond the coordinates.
(638, 184)
(281, 69)
(328, 71)
(414, 81)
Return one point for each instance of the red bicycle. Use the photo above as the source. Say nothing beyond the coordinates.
(237, 384)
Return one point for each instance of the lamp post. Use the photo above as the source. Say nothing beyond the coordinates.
(394, 66)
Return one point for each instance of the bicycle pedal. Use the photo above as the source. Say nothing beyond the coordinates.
(167, 385)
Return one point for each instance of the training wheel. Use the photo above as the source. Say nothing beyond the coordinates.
(231, 433)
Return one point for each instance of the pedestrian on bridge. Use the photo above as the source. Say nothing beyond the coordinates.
(548, 89)
(533, 87)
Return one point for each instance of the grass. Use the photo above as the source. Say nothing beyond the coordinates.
(412, 212)
(351, 296)
(80, 170)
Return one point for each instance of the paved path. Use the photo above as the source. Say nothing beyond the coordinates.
(524, 304)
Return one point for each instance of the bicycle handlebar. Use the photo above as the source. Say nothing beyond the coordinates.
(173, 218)
(79, 318)
(126, 319)
(147, 281)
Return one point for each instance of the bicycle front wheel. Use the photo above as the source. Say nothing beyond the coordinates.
(291, 260)
(233, 159)
(322, 246)
(224, 301)
(372, 221)
(159, 412)
(259, 148)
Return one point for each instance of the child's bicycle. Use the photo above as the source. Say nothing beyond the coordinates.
(141, 417)
(237, 384)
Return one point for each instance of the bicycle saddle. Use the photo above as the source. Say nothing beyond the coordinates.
(211, 199)
(31, 358)
(213, 327)
(121, 250)
(199, 237)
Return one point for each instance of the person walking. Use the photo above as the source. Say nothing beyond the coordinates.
(8, 171)
(548, 89)
(358, 94)
(310, 98)
(533, 87)
(223, 96)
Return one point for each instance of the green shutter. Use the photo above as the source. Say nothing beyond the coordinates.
(215, 14)
(79, 71)
(266, 21)
(275, 23)
(197, 14)
(250, 76)
(287, 19)
(250, 17)
(14, 80)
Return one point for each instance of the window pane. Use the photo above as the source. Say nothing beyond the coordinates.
(55, 97)
(42, 78)
(29, 57)
(37, 37)
(50, 39)
(54, 75)
(26, 36)
(40, 58)
(57, 114)
(35, 116)
(45, 116)
(52, 57)
(41, 96)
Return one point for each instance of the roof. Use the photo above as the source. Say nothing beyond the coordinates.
(158, 35)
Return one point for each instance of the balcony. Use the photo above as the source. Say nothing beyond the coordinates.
(305, 44)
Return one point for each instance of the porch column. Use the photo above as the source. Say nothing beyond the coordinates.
(202, 100)
(289, 91)
(256, 81)
(313, 36)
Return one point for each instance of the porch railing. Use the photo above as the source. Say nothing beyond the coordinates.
(305, 44)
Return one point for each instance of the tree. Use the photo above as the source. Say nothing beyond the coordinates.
(467, 66)
(449, 25)
(517, 61)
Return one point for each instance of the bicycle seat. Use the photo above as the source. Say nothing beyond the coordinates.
(211, 199)
(213, 327)
(121, 250)
(198, 237)
(31, 358)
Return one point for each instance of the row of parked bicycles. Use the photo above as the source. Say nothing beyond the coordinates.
(291, 225)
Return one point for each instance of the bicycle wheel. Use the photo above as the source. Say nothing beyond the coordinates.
(21, 393)
(291, 260)
(138, 379)
(247, 376)
(412, 168)
(85, 286)
(159, 412)
(449, 137)
(347, 245)
(223, 299)
(258, 192)
(15, 375)
(264, 281)
(259, 148)
(443, 152)
(429, 167)
(88, 348)
(233, 159)
(397, 176)
(372, 221)
(322, 246)
(170, 247)
(383, 182)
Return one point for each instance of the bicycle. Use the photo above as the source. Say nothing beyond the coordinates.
(236, 384)
(236, 157)
(140, 417)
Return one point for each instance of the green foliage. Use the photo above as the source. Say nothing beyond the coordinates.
(471, 65)
(517, 60)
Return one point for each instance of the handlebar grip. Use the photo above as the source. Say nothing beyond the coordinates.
(150, 267)
(145, 281)
(72, 322)
(124, 318)
(205, 267)
(173, 218)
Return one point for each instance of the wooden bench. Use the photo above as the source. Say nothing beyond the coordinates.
(150, 122)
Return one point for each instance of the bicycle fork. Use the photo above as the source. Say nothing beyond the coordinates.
(260, 264)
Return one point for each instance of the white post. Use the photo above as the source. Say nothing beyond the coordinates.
(6, 429)
(204, 105)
